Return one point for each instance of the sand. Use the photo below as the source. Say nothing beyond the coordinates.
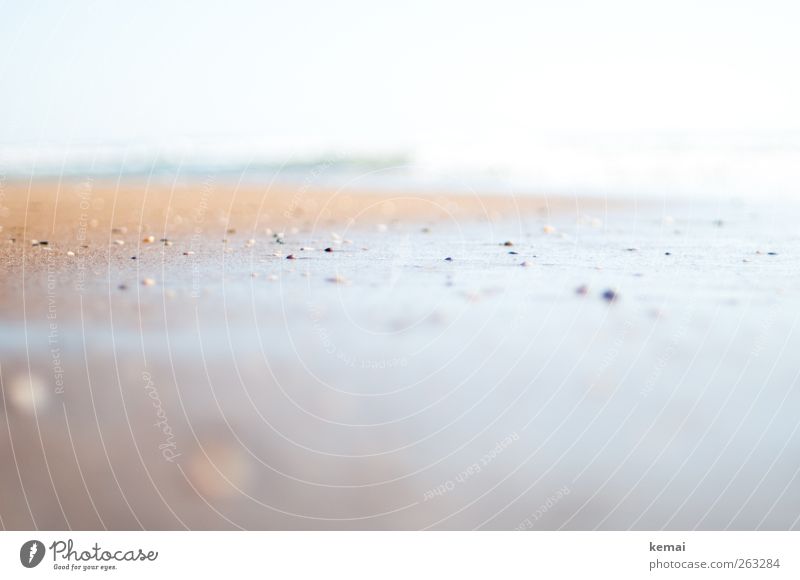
(638, 371)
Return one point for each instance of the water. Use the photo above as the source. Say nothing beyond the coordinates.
(692, 165)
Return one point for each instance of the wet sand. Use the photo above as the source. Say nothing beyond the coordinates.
(613, 366)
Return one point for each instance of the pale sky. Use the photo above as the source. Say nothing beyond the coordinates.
(394, 75)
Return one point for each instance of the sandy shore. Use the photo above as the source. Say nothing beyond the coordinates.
(422, 361)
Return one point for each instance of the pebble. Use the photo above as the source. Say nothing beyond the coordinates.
(219, 470)
(149, 239)
(768, 253)
(120, 230)
(119, 242)
(513, 253)
(336, 279)
(250, 243)
(70, 253)
(148, 282)
(526, 264)
(448, 259)
(122, 287)
(188, 253)
(610, 295)
(549, 229)
(582, 290)
(291, 257)
(231, 230)
(508, 243)
(28, 394)
(329, 250)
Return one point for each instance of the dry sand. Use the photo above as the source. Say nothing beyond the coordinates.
(212, 383)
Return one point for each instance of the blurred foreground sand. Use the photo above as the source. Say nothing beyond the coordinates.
(380, 385)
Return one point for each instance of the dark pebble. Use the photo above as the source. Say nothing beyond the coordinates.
(610, 295)
(328, 250)
(768, 253)
(448, 259)
(508, 243)
(43, 242)
(513, 253)
(133, 257)
(291, 257)
(122, 287)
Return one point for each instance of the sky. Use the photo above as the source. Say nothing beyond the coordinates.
(364, 73)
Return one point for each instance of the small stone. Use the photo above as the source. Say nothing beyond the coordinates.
(250, 243)
(549, 229)
(70, 253)
(148, 282)
(336, 279)
(28, 394)
(329, 250)
(291, 257)
(768, 253)
(119, 242)
(34, 242)
(582, 290)
(122, 287)
(508, 243)
(231, 230)
(149, 239)
(188, 253)
(667, 253)
(119, 230)
(133, 257)
(513, 253)
(610, 295)
(448, 259)
(526, 264)
(632, 249)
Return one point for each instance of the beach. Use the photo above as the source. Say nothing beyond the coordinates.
(206, 354)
